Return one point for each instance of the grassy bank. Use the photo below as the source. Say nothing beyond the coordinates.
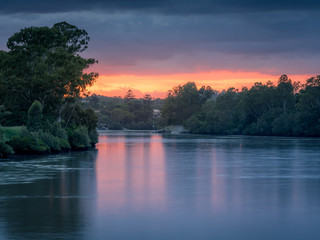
(51, 138)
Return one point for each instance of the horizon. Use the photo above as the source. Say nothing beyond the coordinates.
(249, 82)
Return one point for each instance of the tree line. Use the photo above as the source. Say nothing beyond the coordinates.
(42, 79)
(285, 109)
(128, 112)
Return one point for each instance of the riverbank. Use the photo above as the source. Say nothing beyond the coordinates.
(51, 138)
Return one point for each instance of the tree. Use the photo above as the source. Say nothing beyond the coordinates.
(3, 113)
(222, 115)
(147, 99)
(308, 106)
(205, 93)
(44, 64)
(129, 95)
(181, 103)
(34, 116)
(94, 101)
(257, 101)
(285, 91)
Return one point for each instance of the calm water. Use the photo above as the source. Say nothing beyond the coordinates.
(143, 186)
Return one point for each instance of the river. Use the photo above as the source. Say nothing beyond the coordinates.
(139, 185)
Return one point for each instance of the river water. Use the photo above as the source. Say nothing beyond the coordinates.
(147, 186)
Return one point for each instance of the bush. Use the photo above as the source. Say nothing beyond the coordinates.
(5, 149)
(60, 135)
(93, 135)
(58, 131)
(283, 125)
(34, 116)
(51, 141)
(28, 143)
(78, 137)
(195, 125)
(9, 132)
(64, 144)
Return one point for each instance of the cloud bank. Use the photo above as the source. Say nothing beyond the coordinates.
(144, 38)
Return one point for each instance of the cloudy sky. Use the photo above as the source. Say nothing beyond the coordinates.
(150, 46)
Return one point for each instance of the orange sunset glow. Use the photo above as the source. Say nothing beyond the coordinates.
(158, 85)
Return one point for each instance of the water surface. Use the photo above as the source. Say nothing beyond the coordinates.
(146, 186)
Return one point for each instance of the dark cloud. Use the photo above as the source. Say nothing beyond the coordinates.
(158, 6)
(281, 42)
(133, 37)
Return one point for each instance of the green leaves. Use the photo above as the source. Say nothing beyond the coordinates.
(34, 116)
(264, 109)
(183, 101)
(44, 64)
(38, 40)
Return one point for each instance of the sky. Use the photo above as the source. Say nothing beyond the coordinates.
(150, 46)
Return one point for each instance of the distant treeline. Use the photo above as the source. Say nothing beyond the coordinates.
(116, 113)
(286, 109)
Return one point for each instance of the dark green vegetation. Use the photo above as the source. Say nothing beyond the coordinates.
(116, 113)
(42, 80)
(285, 109)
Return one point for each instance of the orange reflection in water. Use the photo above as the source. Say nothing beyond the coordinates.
(130, 173)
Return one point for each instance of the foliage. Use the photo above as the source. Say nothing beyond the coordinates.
(308, 106)
(64, 144)
(57, 134)
(115, 126)
(196, 124)
(78, 137)
(183, 101)
(27, 143)
(79, 116)
(285, 109)
(129, 112)
(42, 80)
(49, 69)
(5, 149)
(129, 95)
(9, 132)
(3, 113)
(51, 141)
(34, 116)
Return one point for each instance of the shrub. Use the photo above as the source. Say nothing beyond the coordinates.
(51, 141)
(64, 144)
(28, 143)
(34, 116)
(55, 129)
(60, 135)
(5, 149)
(78, 137)
(9, 132)
(195, 125)
(93, 135)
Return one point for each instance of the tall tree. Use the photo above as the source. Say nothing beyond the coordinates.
(44, 64)
(308, 118)
(285, 90)
(34, 116)
(181, 103)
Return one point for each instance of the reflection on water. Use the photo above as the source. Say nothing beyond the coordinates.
(46, 197)
(130, 173)
(144, 186)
